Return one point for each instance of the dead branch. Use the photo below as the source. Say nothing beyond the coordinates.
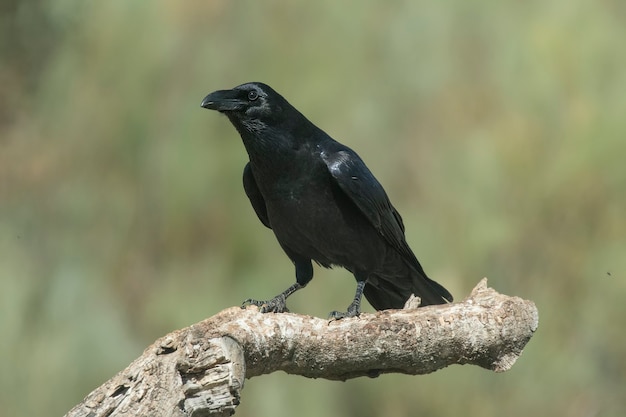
(200, 370)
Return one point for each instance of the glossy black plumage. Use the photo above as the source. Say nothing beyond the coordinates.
(322, 203)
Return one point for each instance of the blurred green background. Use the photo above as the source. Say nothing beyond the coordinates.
(497, 128)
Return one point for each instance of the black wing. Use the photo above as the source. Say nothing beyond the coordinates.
(255, 196)
(358, 183)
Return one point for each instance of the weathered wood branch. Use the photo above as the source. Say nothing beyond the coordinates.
(200, 370)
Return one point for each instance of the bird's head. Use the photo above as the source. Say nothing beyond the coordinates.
(264, 119)
(246, 102)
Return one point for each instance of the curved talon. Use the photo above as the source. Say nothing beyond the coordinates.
(275, 305)
(338, 315)
(251, 302)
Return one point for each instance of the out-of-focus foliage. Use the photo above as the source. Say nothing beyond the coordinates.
(498, 129)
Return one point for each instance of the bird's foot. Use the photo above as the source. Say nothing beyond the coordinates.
(277, 304)
(354, 310)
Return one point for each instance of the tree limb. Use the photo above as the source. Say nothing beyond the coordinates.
(200, 370)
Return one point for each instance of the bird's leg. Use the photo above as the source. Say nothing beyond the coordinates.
(277, 304)
(354, 309)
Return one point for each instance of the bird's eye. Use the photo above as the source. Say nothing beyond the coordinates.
(253, 95)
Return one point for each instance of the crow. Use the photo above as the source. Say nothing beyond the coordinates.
(322, 203)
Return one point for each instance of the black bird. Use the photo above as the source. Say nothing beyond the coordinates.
(322, 202)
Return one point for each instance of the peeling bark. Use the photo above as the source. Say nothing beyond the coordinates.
(200, 370)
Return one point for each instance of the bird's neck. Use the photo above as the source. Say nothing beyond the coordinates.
(274, 151)
(280, 156)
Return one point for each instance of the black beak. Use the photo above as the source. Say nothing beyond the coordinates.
(223, 100)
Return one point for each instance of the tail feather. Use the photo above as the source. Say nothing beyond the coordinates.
(393, 292)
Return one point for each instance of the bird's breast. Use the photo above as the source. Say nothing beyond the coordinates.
(316, 220)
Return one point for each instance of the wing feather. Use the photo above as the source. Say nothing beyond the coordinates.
(360, 185)
(255, 196)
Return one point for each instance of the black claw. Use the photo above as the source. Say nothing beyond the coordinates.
(275, 305)
(335, 315)
(252, 302)
(353, 311)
